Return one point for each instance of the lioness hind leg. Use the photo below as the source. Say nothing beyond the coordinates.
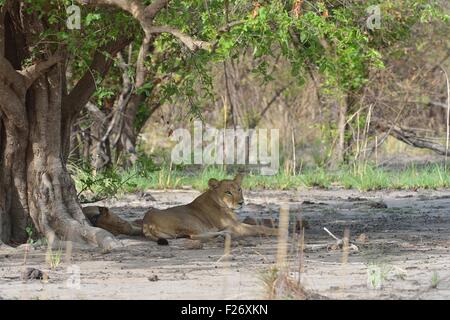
(243, 229)
(151, 233)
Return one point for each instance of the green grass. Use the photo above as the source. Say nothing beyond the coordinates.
(361, 178)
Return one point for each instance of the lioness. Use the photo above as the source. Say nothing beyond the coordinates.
(209, 215)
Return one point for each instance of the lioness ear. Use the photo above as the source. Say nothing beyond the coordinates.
(238, 178)
(213, 183)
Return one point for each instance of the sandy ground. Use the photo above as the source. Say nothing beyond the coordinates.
(406, 247)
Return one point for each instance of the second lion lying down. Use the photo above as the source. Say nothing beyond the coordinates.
(209, 215)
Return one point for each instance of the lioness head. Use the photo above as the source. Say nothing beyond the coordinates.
(111, 222)
(229, 192)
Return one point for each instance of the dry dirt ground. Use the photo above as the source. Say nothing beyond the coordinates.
(405, 253)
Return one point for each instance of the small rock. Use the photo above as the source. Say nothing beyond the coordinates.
(153, 278)
(378, 205)
(333, 247)
(250, 220)
(162, 242)
(356, 199)
(334, 288)
(33, 274)
(146, 196)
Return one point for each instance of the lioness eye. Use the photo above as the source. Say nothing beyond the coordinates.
(228, 193)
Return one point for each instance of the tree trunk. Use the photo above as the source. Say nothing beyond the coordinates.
(87, 143)
(34, 182)
(339, 152)
(129, 101)
(127, 134)
(37, 178)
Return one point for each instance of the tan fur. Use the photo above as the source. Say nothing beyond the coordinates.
(101, 217)
(209, 215)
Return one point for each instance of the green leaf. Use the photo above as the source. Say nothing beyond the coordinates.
(91, 17)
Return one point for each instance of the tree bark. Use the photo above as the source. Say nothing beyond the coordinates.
(52, 201)
(34, 182)
(341, 128)
(37, 115)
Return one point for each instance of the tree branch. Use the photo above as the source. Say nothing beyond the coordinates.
(96, 112)
(85, 87)
(411, 138)
(229, 25)
(135, 7)
(12, 94)
(141, 69)
(154, 8)
(187, 40)
(9, 74)
(275, 97)
(13, 106)
(33, 72)
(145, 16)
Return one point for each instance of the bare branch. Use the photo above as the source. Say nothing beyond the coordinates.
(431, 103)
(411, 138)
(95, 111)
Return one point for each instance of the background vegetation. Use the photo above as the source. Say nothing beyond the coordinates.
(356, 108)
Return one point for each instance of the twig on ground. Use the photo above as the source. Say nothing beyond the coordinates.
(340, 242)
